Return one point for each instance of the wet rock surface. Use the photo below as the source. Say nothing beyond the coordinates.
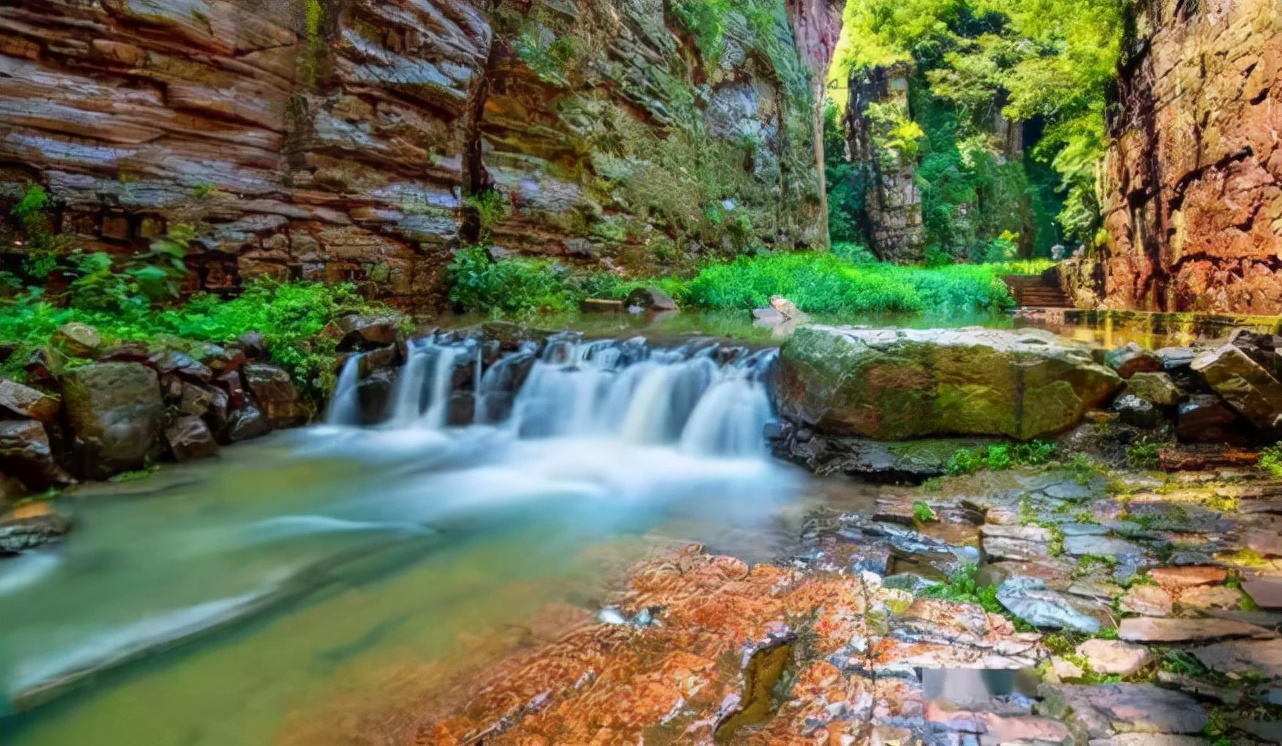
(900, 384)
(880, 628)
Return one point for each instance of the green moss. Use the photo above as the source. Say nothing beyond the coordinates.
(923, 513)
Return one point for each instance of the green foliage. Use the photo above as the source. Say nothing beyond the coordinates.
(1047, 60)
(896, 137)
(489, 207)
(1271, 460)
(521, 286)
(33, 203)
(1001, 456)
(923, 513)
(1143, 455)
(293, 318)
(825, 284)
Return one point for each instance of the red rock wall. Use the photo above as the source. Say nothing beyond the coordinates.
(336, 140)
(1194, 180)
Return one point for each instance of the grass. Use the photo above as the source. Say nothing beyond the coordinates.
(293, 317)
(817, 283)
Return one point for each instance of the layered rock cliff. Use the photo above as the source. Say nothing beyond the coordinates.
(1193, 186)
(365, 140)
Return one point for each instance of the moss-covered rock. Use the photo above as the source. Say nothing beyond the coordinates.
(900, 384)
(115, 412)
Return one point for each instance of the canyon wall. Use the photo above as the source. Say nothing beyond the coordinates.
(1193, 183)
(366, 140)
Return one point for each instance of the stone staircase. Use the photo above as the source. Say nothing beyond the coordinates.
(1037, 291)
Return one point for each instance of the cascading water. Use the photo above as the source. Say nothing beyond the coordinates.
(702, 398)
(487, 473)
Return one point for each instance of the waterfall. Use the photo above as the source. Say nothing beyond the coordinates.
(345, 406)
(702, 399)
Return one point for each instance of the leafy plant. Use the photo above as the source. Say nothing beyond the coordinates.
(1271, 460)
(923, 513)
(1143, 455)
(1001, 456)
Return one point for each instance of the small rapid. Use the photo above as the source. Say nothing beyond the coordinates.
(469, 484)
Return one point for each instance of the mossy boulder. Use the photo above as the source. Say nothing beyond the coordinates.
(901, 384)
(116, 414)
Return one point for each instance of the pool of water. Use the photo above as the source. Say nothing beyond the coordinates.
(216, 604)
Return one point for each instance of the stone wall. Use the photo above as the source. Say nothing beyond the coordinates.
(338, 140)
(1193, 187)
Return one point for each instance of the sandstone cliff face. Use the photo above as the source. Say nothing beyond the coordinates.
(1194, 181)
(339, 140)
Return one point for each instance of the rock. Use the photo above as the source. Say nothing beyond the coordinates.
(220, 360)
(1267, 594)
(1152, 630)
(115, 413)
(1265, 542)
(1268, 731)
(1132, 359)
(274, 393)
(246, 424)
(902, 384)
(368, 332)
(1109, 709)
(1113, 657)
(1207, 418)
(1186, 577)
(1137, 412)
(1150, 739)
(195, 400)
(649, 299)
(77, 340)
(1066, 670)
(31, 526)
(1155, 388)
(1243, 657)
(1015, 542)
(1103, 546)
(602, 305)
(1033, 602)
(189, 438)
(767, 318)
(24, 401)
(1243, 383)
(1205, 457)
(1147, 600)
(1210, 597)
(882, 461)
(253, 344)
(25, 454)
(184, 366)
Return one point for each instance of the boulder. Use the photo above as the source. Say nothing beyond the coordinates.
(26, 455)
(1137, 412)
(275, 394)
(1109, 709)
(1243, 383)
(602, 305)
(1131, 359)
(77, 340)
(1166, 630)
(246, 424)
(1206, 418)
(1113, 657)
(31, 526)
(1155, 388)
(189, 438)
(1147, 600)
(115, 412)
(183, 366)
(367, 332)
(650, 299)
(253, 344)
(902, 384)
(24, 401)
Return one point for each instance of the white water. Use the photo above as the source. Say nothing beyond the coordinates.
(602, 440)
(344, 406)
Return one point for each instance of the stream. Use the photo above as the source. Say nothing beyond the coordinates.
(211, 605)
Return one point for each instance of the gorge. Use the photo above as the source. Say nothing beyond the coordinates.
(570, 372)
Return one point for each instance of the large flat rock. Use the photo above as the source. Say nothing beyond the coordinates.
(907, 383)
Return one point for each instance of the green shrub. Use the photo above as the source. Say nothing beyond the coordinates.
(1143, 455)
(520, 286)
(923, 513)
(291, 316)
(999, 456)
(1271, 460)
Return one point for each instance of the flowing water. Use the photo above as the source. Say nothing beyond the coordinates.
(203, 606)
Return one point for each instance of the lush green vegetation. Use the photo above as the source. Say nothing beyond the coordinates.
(1271, 460)
(293, 318)
(1000, 456)
(1045, 62)
(817, 283)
